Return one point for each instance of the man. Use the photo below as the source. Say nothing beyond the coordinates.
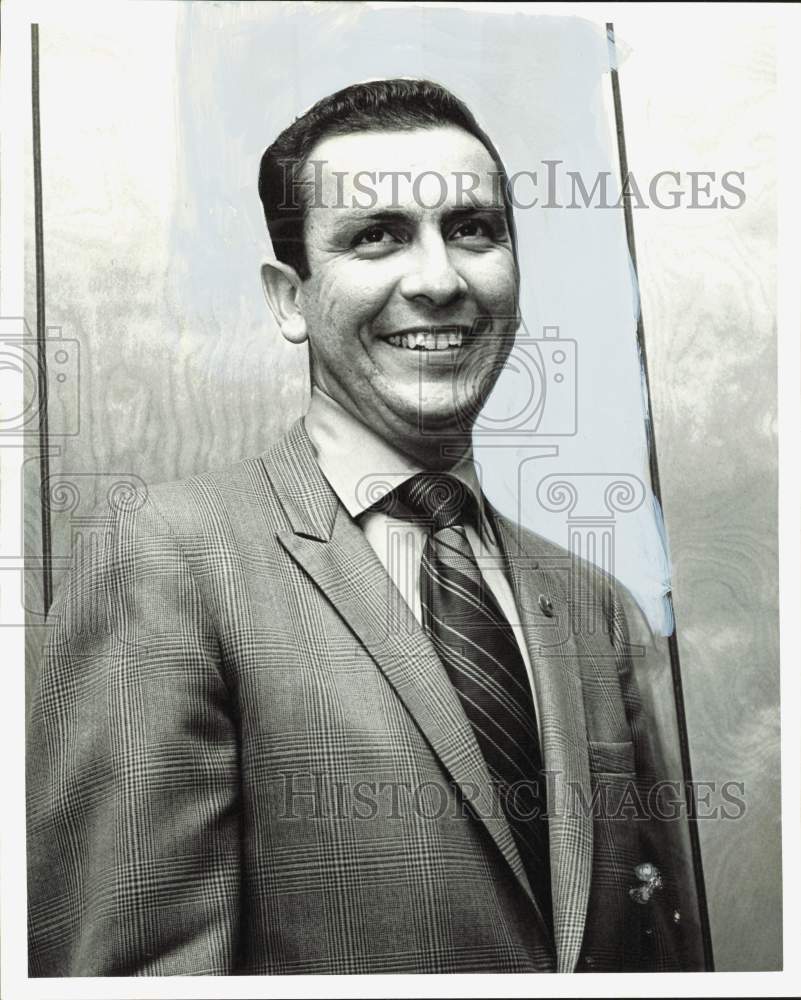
(328, 711)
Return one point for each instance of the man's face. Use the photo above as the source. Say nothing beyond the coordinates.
(411, 302)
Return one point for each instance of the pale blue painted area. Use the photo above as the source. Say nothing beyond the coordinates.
(536, 84)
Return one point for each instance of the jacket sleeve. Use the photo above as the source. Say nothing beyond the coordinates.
(132, 766)
(671, 922)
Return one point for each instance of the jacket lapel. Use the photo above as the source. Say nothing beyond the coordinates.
(331, 548)
(557, 679)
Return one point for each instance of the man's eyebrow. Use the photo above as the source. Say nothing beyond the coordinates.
(356, 215)
(482, 209)
(347, 223)
(362, 216)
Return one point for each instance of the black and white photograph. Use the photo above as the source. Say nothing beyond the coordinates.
(399, 498)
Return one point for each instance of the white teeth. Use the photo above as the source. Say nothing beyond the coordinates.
(427, 341)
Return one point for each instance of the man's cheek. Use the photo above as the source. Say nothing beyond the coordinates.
(348, 305)
(497, 290)
(338, 315)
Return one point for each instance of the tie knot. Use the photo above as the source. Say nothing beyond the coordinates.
(439, 499)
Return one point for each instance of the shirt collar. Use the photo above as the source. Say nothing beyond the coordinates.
(362, 467)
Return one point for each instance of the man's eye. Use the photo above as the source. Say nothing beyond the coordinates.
(471, 229)
(375, 235)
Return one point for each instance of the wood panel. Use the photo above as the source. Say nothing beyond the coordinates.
(707, 281)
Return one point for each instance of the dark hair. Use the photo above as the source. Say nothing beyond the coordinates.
(377, 106)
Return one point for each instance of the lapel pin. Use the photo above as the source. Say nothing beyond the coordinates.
(650, 879)
(546, 606)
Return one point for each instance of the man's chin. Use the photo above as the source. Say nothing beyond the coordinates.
(427, 416)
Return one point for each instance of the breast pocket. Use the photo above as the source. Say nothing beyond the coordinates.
(613, 779)
(612, 757)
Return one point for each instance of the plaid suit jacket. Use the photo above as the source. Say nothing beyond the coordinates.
(244, 759)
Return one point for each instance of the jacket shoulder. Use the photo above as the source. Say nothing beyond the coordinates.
(246, 489)
(242, 491)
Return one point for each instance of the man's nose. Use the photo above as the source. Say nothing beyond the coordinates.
(431, 275)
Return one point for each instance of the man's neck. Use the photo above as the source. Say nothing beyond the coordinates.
(433, 455)
(425, 449)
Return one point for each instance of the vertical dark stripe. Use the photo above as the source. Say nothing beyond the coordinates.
(41, 330)
(675, 665)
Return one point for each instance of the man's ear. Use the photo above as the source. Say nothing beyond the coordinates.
(281, 283)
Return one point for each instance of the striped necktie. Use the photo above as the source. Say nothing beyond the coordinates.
(480, 653)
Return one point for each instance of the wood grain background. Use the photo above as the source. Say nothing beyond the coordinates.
(707, 281)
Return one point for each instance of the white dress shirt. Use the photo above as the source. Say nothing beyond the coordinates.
(361, 468)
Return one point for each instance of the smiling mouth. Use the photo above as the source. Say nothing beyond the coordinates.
(439, 340)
